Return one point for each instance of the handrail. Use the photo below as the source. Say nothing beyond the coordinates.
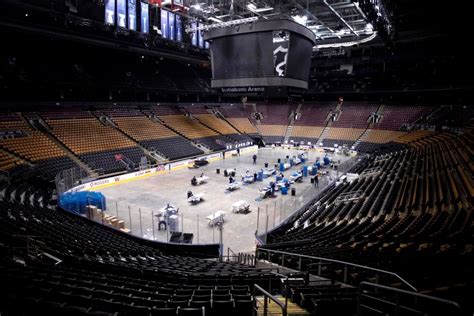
(286, 277)
(400, 291)
(257, 288)
(393, 274)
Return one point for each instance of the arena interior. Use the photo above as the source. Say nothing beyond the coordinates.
(188, 157)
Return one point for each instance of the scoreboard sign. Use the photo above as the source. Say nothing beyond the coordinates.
(271, 53)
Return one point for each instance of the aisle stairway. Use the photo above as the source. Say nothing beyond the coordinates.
(328, 122)
(367, 131)
(289, 129)
(274, 309)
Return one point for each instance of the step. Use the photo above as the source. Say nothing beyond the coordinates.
(274, 309)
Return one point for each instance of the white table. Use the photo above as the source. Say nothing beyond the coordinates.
(296, 161)
(240, 206)
(196, 198)
(202, 179)
(215, 218)
(247, 178)
(233, 186)
(268, 172)
(296, 176)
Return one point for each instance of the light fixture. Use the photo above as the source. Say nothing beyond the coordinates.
(300, 19)
(196, 6)
(253, 8)
(215, 19)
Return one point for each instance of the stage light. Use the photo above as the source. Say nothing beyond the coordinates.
(300, 19)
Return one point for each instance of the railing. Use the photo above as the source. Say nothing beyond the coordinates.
(392, 301)
(257, 289)
(346, 267)
(241, 258)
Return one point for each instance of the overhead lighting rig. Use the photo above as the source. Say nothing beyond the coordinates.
(205, 27)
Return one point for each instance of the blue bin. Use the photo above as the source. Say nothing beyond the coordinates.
(76, 202)
(305, 171)
(260, 176)
(282, 166)
(284, 191)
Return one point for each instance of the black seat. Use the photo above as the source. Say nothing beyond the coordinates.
(224, 297)
(239, 292)
(201, 297)
(222, 307)
(184, 292)
(191, 311)
(246, 297)
(243, 307)
(162, 311)
(203, 292)
(178, 303)
(206, 304)
(220, 292)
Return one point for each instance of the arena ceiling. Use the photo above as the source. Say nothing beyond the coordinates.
(332, 21)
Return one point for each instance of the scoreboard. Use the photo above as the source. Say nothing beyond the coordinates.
(274, 53)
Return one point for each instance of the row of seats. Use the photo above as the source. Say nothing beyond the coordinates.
(344, 133)
(216, 124)
(214, 142)
(187, 126)
(142, 128)
(311, 132)
(414, 206)
(88, 135)
(272, 130)
(315, 114)
(276, 114)
(103, 271)
(110, 161)
(382, 136)
(33, 146)
(8, 161)
(394, 116)
(173, 147)
(355, 115)
(243, 125)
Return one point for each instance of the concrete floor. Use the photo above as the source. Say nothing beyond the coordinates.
(138, 201)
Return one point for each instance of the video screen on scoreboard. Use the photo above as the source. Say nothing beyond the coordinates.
(230, 56)
(262, 54)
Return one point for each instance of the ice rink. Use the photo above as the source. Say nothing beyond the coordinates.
(138, 201)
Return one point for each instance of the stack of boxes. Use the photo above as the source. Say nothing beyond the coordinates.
(96, 214)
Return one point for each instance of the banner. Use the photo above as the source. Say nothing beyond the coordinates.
(171, 25)
(200, 39)
(121, 13)
(132, 15)
(179, 29)
(144, 17)
(110, 12)
(164, 23)
(194, 36)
